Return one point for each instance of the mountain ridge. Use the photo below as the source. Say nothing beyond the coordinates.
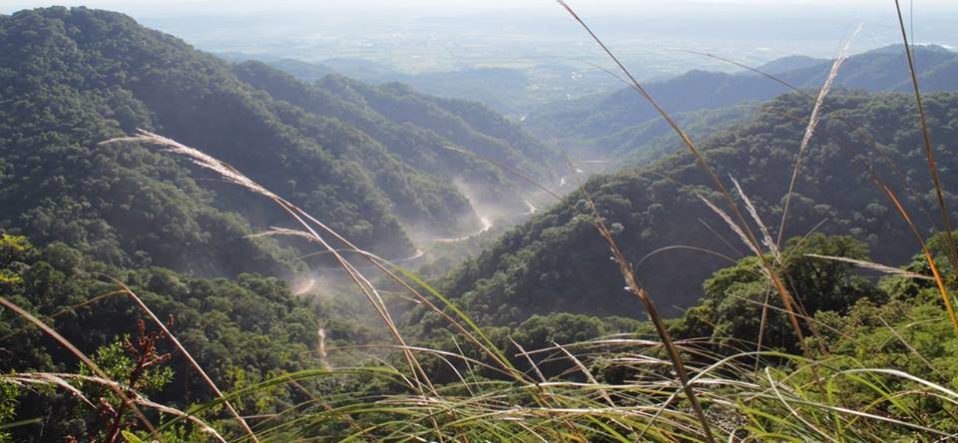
(557, 261)
(582, 123)
(75, 77)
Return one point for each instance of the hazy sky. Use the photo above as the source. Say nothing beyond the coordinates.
(454, 6)
(447, 34)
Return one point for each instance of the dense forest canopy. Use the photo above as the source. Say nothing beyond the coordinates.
(239, 331)
(557, 263)
(610, 125)
(347, 152)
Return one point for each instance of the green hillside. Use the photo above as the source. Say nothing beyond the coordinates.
(586, 123)
(74, 77)
(418, 129)
(558, 263)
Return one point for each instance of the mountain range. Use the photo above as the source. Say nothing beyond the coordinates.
(557, 262)
(372, 162)
(513, 91)
(597, 125)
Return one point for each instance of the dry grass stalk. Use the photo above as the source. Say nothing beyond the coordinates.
(767, 240)
(633, 286)
(232, 175)
(939, 281)
(856, 128)
(812, 124)
(783, 292)
(684, 247)
(929, 150)
(189, 358)
(60, 380)
(83, 358)
(873, 266)
(731, 224)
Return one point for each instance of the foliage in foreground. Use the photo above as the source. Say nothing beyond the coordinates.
(887, 368)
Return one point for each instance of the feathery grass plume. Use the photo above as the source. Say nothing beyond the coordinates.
(731, 224)
(198, 157)
(812, 124)
(60, 380)
(284, 232)
(633, 286)
(772, 247)
(720, 237)
(232, 175)
(929, 150)
(47, 378)
(873, 266)
(766, 235)
(856, 128)
(783, 292)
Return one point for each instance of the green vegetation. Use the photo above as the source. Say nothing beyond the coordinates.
(418, 129)
(557, 261)
(72, 78)
(898, 324)
(586, 124)
(511, 90)
(241, 332)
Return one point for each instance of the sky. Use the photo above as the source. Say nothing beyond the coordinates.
(454, 6)
(417, 35)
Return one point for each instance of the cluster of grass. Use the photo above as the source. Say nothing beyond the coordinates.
(618, 388)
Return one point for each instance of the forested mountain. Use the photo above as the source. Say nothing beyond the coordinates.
(586, 124)
(558, 262)
(511, 91)
(366, 160)
(790, 63)
(240, 331)
(415, 127)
